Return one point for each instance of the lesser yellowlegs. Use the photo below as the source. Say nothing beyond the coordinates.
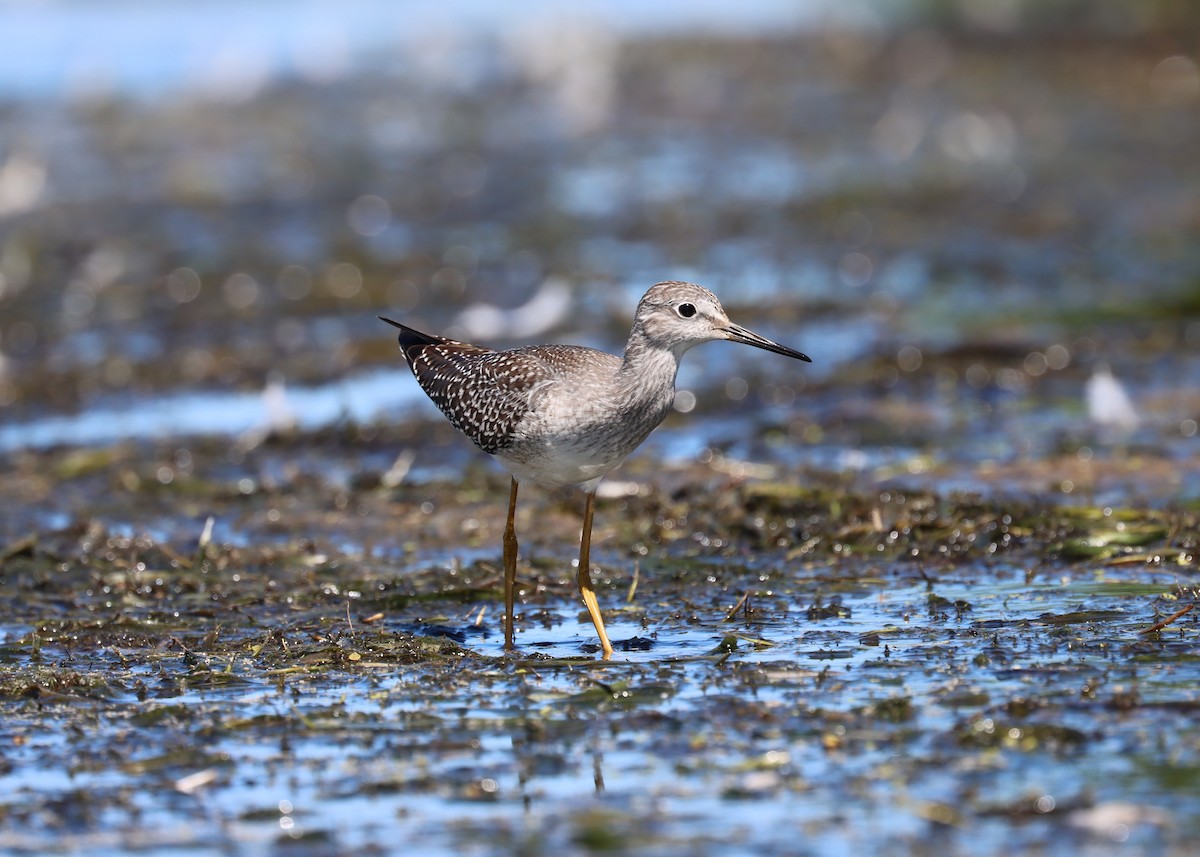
(566, 415)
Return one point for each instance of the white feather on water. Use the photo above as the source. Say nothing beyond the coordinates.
(1108, 403)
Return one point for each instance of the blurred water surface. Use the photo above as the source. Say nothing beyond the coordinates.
(202, 203)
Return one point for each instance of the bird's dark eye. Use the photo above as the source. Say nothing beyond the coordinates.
(686, 310)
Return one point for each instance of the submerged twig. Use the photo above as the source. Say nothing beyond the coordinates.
(736, 607)
(1158, 626)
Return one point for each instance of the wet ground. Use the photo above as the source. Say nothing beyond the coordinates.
(932, 594)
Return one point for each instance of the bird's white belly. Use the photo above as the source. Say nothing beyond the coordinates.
(558, 466)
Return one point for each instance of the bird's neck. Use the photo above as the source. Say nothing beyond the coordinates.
(648, 371)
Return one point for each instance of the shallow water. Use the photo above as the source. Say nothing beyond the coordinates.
(924, 725)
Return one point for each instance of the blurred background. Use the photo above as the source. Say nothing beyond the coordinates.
(236, 539)
(979, 217)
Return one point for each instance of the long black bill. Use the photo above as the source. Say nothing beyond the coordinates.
(389, 321)
(737, 333)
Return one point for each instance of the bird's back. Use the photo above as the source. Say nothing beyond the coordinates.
(490, 395)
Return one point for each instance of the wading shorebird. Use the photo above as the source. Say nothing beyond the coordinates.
(562, 415)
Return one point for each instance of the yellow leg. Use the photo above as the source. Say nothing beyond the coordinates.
(510, 565)
(585, 575)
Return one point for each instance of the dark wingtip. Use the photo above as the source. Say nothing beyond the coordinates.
(412, 341)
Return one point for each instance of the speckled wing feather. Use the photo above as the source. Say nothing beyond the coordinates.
(484, 393)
